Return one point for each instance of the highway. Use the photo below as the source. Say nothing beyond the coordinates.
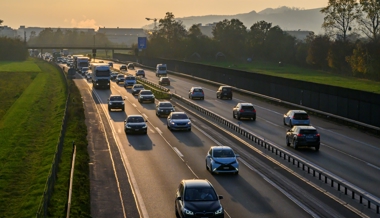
(157, 162)
(346, 152)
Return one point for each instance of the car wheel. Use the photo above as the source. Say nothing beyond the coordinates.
(203, 98)
(284, 122)
(217, 96)
(189, 130)
(254, 118)
(206, 166)
(317, 148)
(109, 109)
(290, 123)
(233, 115)
(287, 141)
(122, 109)
(176, 211)
(236, 173)
(238, 117)
(295, 144)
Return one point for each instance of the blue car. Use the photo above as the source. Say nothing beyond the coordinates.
(178, 121)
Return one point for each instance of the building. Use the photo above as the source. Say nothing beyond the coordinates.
(123, 36)
(6, 31)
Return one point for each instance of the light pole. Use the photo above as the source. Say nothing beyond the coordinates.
(155, 22)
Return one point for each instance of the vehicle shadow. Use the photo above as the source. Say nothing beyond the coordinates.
(140, 142)
(117, 115)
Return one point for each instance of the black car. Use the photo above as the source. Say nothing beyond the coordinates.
(164, 108)
(197, 198)
(114, 75)
(224, 92)
(116, 102)
(130, 66)
(123, 67)
(164, 81)
(303, 136)
(135, 124)
(244, 110)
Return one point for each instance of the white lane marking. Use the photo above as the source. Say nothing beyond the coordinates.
(146, 117)
(304, 207)
(178, 152)
(134, 105)
(151, 130)
(158, 130)
(271, 123)
(371, 165)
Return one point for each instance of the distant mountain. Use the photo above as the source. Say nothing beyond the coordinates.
(286, 18)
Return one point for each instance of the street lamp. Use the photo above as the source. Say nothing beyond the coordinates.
(155, 21)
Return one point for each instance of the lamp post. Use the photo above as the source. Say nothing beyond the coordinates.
(155, 22)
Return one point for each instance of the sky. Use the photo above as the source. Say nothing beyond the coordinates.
(127, 13)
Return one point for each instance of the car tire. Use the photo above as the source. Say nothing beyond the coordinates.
(238, 117)
(317, 148)
(254, 118)
(123, 109)
(295, 144)
(287, 141)
(206, 166)
(284, 122)
(290, 123)
(217, 96)
(189, 130)
(109, 109)
(233, 115)
(176, 211)
(236, 173)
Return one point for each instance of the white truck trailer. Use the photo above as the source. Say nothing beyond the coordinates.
(101, 75)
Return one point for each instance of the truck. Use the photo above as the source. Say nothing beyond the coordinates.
(75, 57)
(100, 75)
(81, 62)
(161, 70)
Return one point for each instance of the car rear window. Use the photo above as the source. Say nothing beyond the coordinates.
(301, 116)
(226, 89)
(308, 131)
(247, 107)
(138, 87)
(165, 79)
(197, 90)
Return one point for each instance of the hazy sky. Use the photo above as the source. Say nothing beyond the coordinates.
(127, 13)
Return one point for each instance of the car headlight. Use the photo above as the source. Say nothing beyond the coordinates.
(172, 123)
(188, 212)
(144, 127)
(127, 126)
(161, 110)
(97, 84)
(141, 96)
(219, 211)
(122, 103)
(110, 103)
(189, 122)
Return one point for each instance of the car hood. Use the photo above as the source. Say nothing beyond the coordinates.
(116, 101)
(200, 206)
(166, 108)
(224, 160)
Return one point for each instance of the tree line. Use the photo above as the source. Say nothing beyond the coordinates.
(12, 49)
(350, 46)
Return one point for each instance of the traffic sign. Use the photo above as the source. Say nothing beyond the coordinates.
(141, 42)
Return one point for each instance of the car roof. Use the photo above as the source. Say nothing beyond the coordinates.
(221, 147)
(197, 183)
(298, 111)
(246, 104)
(307, 127)
(196, 87)
(134, 115)
(115, 95)
(178, 112)
(225, 87)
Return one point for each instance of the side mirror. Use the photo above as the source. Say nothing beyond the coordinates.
(146, 121)
(179, 198)
(220, 197)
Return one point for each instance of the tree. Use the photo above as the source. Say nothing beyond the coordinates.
(257, 36)
(318, 51)
(231, 36)
(370, 20)
(340, 15)
(1, 21)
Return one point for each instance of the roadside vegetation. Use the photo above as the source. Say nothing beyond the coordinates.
(33, 97)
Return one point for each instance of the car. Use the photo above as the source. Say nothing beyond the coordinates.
(88, 76)
(178, 121)
(222, 159)
(196, 92)
(123, 67)
(164, 81)
(224, 92)
(130, 81)
(244, 110)
(130, 66)
(120, 78)
(296, 117)
(114, 75)
(115, 102)
(110, 64)
(100, 61)
(164, 108)
(135, 124)
(303, 136)
(145, 95)
(140, 72)
(136, 88)
(84, 70)
(197, 198)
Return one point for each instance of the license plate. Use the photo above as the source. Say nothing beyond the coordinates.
(136, 129)
(309, 137)
(226, 168)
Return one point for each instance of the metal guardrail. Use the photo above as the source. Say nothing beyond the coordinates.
(321, 174)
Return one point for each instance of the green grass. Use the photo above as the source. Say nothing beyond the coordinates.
(303, 74)
(29, 131)
(23, 66)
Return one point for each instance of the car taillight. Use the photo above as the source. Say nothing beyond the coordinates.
(241, 110)
(299, 135)
(317, 135)
(254, 110)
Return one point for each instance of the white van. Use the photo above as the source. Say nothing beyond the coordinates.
(161, 70)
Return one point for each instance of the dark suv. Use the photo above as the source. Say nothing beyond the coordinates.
(303, 136)
(197, 198)
(164, 81)
(130, 66)
(224, 92)
(115, 102)
(244, 110)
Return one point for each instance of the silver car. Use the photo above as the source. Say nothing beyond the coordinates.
(136, 88)
(296, 117)
(196, 92)
(178, 121)
(146, 95)
(222, 159)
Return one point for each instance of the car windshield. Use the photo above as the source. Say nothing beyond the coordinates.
(161, 68)
(140, 71)
(135, 120)
(223, 153)
(116, 98)
(247, 107)
(120, 76)
(179, 116)
(146, 93)
(200, 194)
(130, 78)
(308, 131)
(226, 89)
(166, 105)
